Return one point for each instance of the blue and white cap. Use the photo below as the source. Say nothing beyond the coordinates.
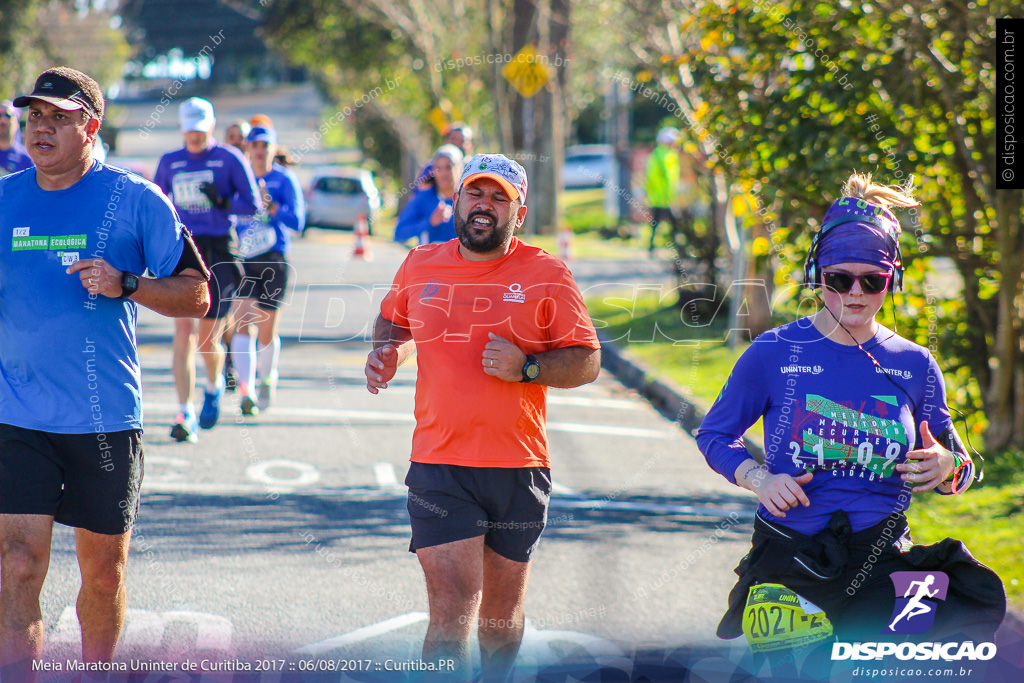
(507, 172)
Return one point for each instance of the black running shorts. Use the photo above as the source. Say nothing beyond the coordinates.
(266, 279)
(225, 272)
(508, 506)
(89, 481)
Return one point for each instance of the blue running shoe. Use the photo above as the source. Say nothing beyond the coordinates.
(210, 413)
(185, 428)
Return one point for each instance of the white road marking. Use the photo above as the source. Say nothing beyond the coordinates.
(583, 401)
(145, 629)
(407, 418)
(364, 633)
(67, 629)
(260, 472)
(607, 430)
(541, 648)
(561, 490)
(385, 475)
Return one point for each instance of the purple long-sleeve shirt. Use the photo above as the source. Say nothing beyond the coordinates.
(829, 411)
(180, 173)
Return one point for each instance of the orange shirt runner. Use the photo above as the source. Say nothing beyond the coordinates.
(463, 415)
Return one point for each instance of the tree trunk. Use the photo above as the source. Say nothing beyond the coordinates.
(1005, 403)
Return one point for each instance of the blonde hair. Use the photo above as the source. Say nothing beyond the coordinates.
(860, 186)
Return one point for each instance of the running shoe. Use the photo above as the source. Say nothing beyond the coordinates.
(185, 428)
(249, 406)
(265, 394)
(210, 413)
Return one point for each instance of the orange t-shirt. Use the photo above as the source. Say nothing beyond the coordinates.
(463, 415)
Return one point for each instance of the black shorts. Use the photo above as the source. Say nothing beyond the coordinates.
(266, 279)
(508, 506)
(225, 271)
(89, 481)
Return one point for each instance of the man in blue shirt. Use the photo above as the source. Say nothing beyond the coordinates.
(209, 184)
(13, 157)
(75, 238)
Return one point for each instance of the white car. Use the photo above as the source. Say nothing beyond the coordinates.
(339, 195)
(589, 166)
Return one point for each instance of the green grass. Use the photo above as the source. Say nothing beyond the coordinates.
(988, 518)
(588, 245)
(695, 359)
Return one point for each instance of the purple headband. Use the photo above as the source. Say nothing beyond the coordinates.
(872, 241)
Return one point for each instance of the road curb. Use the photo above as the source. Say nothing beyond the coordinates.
(664, 396)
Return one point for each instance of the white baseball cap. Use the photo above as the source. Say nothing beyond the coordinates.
(195, 113)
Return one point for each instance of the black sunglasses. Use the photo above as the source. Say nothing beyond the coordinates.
(871, 283)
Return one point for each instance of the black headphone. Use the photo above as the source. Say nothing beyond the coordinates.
(812, 271)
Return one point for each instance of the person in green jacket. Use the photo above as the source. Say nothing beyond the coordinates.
(663, 181)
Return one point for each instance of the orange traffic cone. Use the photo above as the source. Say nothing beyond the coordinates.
(564, 242)
(362, 232)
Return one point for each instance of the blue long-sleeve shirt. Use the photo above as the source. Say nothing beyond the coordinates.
(827, 410)
(180, 174)
(414, 221)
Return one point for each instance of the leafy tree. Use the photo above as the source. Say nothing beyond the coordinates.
(20, 45)
(802, 92)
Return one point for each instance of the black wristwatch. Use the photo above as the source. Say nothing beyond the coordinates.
(531, 369)
(129, 284)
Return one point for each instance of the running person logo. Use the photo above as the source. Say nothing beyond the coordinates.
(914, 612)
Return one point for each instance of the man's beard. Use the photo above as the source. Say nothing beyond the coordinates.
(487, 242)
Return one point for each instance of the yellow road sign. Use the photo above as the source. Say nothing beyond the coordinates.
(528, 71)
(438, 119)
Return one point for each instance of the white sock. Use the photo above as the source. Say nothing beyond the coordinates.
(243, 353)
(268, 356)
(187, 409)
(213, 387)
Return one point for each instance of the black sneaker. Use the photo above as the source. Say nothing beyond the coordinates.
(249, 406)
(185, 428)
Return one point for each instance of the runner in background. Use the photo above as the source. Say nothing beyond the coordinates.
(13, 156)
(428, 215)
(662, 183)
(208, 184)
(264, 240)
(458, 134)
(234, 135)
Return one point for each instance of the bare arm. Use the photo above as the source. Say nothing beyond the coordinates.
(567, 367)
(392, 346)
(185, 295)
